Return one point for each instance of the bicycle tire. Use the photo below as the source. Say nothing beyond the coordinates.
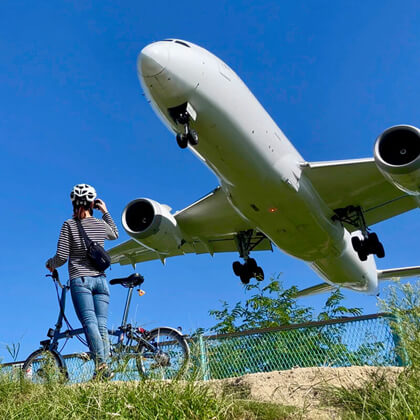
(123, 361)
(45, 366)
(172, 359)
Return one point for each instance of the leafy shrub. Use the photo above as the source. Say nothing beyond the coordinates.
(380, 397)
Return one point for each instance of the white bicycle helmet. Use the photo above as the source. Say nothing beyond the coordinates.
(82, 194)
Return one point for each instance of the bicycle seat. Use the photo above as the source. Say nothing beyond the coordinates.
(133, 280)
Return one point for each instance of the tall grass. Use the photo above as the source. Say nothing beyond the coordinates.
(143, 400)
(381, 397)
(192, 399)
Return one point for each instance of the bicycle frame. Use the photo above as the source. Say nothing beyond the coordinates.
(56, 334)
(132, 343)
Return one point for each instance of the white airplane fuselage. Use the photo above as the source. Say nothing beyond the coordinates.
(259, 170)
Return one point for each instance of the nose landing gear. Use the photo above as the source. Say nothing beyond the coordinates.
(182, 115)
(249, 269)
(189, 136)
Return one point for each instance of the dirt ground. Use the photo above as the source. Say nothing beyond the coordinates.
(301, 387)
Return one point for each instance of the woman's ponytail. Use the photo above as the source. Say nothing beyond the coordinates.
(79, 212)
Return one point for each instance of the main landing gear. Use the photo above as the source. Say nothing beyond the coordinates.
(182, 115)
(369, 244)
(249, 268)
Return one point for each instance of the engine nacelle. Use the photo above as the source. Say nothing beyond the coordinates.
(152, 224)
(397, 155)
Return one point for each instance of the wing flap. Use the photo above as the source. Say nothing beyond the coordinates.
(228, 244)
(131, 252)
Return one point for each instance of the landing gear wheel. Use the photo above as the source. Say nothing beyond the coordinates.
(372, 241)
(259, 274)
(380, 251)
(375, 247)
(251, 265)
(237, 268)
(357, 243)
(362, 255)
(245, 277)
(368, 246)
(193, 138)
(182, 140)
(242, 271)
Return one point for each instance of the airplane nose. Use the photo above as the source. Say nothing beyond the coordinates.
(153, 59)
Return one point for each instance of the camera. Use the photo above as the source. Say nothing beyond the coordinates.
(95, 204)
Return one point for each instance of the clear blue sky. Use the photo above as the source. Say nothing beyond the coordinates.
(333, 75)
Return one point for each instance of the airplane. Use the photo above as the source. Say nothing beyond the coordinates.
(268, 194)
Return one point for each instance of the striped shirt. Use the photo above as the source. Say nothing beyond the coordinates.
(71, 246)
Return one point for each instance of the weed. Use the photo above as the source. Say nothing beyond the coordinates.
(380, 397)
(141, 400)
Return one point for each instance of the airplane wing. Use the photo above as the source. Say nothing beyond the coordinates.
(397, 273)
(210, 226)
(358, 182)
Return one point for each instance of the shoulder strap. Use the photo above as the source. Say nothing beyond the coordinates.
(82, 232)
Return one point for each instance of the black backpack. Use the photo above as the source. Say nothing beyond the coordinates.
(99, 258)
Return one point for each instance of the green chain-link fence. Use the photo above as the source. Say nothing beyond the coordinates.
(363, 340)
(358, 341)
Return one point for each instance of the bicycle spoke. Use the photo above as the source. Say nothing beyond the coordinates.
(124, 362)
(42, 367)
(169, 359)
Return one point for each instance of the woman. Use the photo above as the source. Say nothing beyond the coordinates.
(89, 288)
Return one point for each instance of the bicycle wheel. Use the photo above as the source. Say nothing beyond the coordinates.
(124, 360)
(169, 360)
(44, 366)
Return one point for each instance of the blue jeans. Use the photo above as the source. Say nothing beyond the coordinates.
(91, 299)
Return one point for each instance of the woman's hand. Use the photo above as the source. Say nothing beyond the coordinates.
(101, 206)
(49, 268)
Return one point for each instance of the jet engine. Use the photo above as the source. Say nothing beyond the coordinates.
(397, 155)
(152, 224)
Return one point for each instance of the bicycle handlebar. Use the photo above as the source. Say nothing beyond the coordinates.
(55, 277)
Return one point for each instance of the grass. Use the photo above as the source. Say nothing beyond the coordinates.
(381, 398)
(22, 400)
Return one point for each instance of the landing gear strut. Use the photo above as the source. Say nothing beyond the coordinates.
(370, 243)
(249, 268)
(182, 116)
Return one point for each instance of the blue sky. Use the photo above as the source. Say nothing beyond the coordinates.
(333, 75)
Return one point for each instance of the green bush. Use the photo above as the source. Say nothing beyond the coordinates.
(381, 397)
(272, 305)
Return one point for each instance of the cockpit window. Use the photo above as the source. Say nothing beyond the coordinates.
(182, 43)
(168, 40)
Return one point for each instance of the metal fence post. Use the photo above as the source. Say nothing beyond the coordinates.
(203, 359)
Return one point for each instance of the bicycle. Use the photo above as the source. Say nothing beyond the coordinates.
(161, 353)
